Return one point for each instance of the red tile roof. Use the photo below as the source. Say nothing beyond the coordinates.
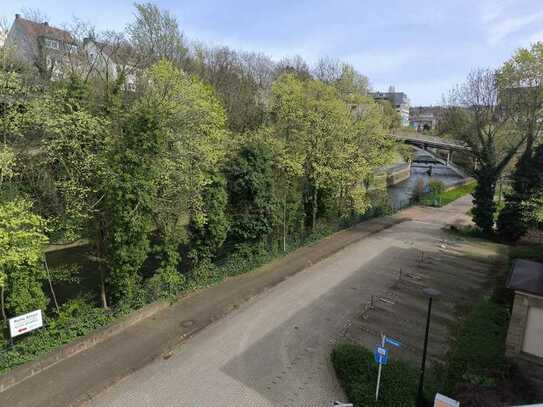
(36, 30)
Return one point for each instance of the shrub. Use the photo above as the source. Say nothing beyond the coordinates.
(511, 222)
(357, 372)
(245, 258)
(77, 318)
(436, 186)
(166, 283)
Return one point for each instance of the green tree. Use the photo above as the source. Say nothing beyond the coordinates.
(251, 203)
(333, 140)
(534, 209)
(288, 132)
(393, 119)
(155, 34)
(209, 231)
(475, 117)
(64, 165)
(521, 91)
(130, 191)
(193, 130)
(22, 244)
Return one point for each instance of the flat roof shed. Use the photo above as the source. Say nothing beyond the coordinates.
(525, 334)
(526, 276)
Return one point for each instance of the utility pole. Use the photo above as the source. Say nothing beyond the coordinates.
(380, 368)
(431, 294)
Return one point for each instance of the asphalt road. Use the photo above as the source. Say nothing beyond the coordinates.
(275, 349)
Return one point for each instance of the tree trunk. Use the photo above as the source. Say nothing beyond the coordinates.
(483, 199)
(314, 223)
(99, 254)
(285, 222)
(103, 296)
(51, 284)
(2, 305)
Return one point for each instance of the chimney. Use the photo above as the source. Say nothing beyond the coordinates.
(17, 16)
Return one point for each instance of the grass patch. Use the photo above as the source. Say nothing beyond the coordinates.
(447, 197)
(357, 371)
(478, 357)
(477, 372)
(532, 252)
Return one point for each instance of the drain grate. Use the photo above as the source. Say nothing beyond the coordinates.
(187, 324)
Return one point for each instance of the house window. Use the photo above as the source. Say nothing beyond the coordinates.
(71, 48)
(49, 43)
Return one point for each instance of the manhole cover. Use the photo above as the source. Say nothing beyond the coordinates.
(187, 324)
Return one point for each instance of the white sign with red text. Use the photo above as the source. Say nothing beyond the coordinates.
(444, 401)
(25, 323)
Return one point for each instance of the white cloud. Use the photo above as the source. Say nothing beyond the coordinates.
(502, 28)
(492, 9)
(501, 19)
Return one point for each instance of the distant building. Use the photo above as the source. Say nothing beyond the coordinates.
(424, 118)
(41, 45)
(3, 36)
(398, 100)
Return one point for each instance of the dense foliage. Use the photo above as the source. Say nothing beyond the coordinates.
(22, 241)
(498, 115)
(522, 79)
(173, 165)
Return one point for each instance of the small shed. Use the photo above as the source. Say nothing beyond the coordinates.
(525, 335)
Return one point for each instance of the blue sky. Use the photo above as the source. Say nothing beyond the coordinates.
(421, 47)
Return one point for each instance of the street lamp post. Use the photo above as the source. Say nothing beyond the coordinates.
(431, 293)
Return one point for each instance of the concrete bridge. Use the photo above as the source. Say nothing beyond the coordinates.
(447, 163)
(425, 142)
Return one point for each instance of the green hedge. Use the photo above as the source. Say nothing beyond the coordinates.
(357, 371)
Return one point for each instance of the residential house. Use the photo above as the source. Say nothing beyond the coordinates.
(110, 60)
(41, 45)
(398, 100)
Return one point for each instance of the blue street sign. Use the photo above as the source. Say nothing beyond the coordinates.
(393, 342)
(381, 355)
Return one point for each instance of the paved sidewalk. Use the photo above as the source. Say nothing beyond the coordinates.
(83, 376)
